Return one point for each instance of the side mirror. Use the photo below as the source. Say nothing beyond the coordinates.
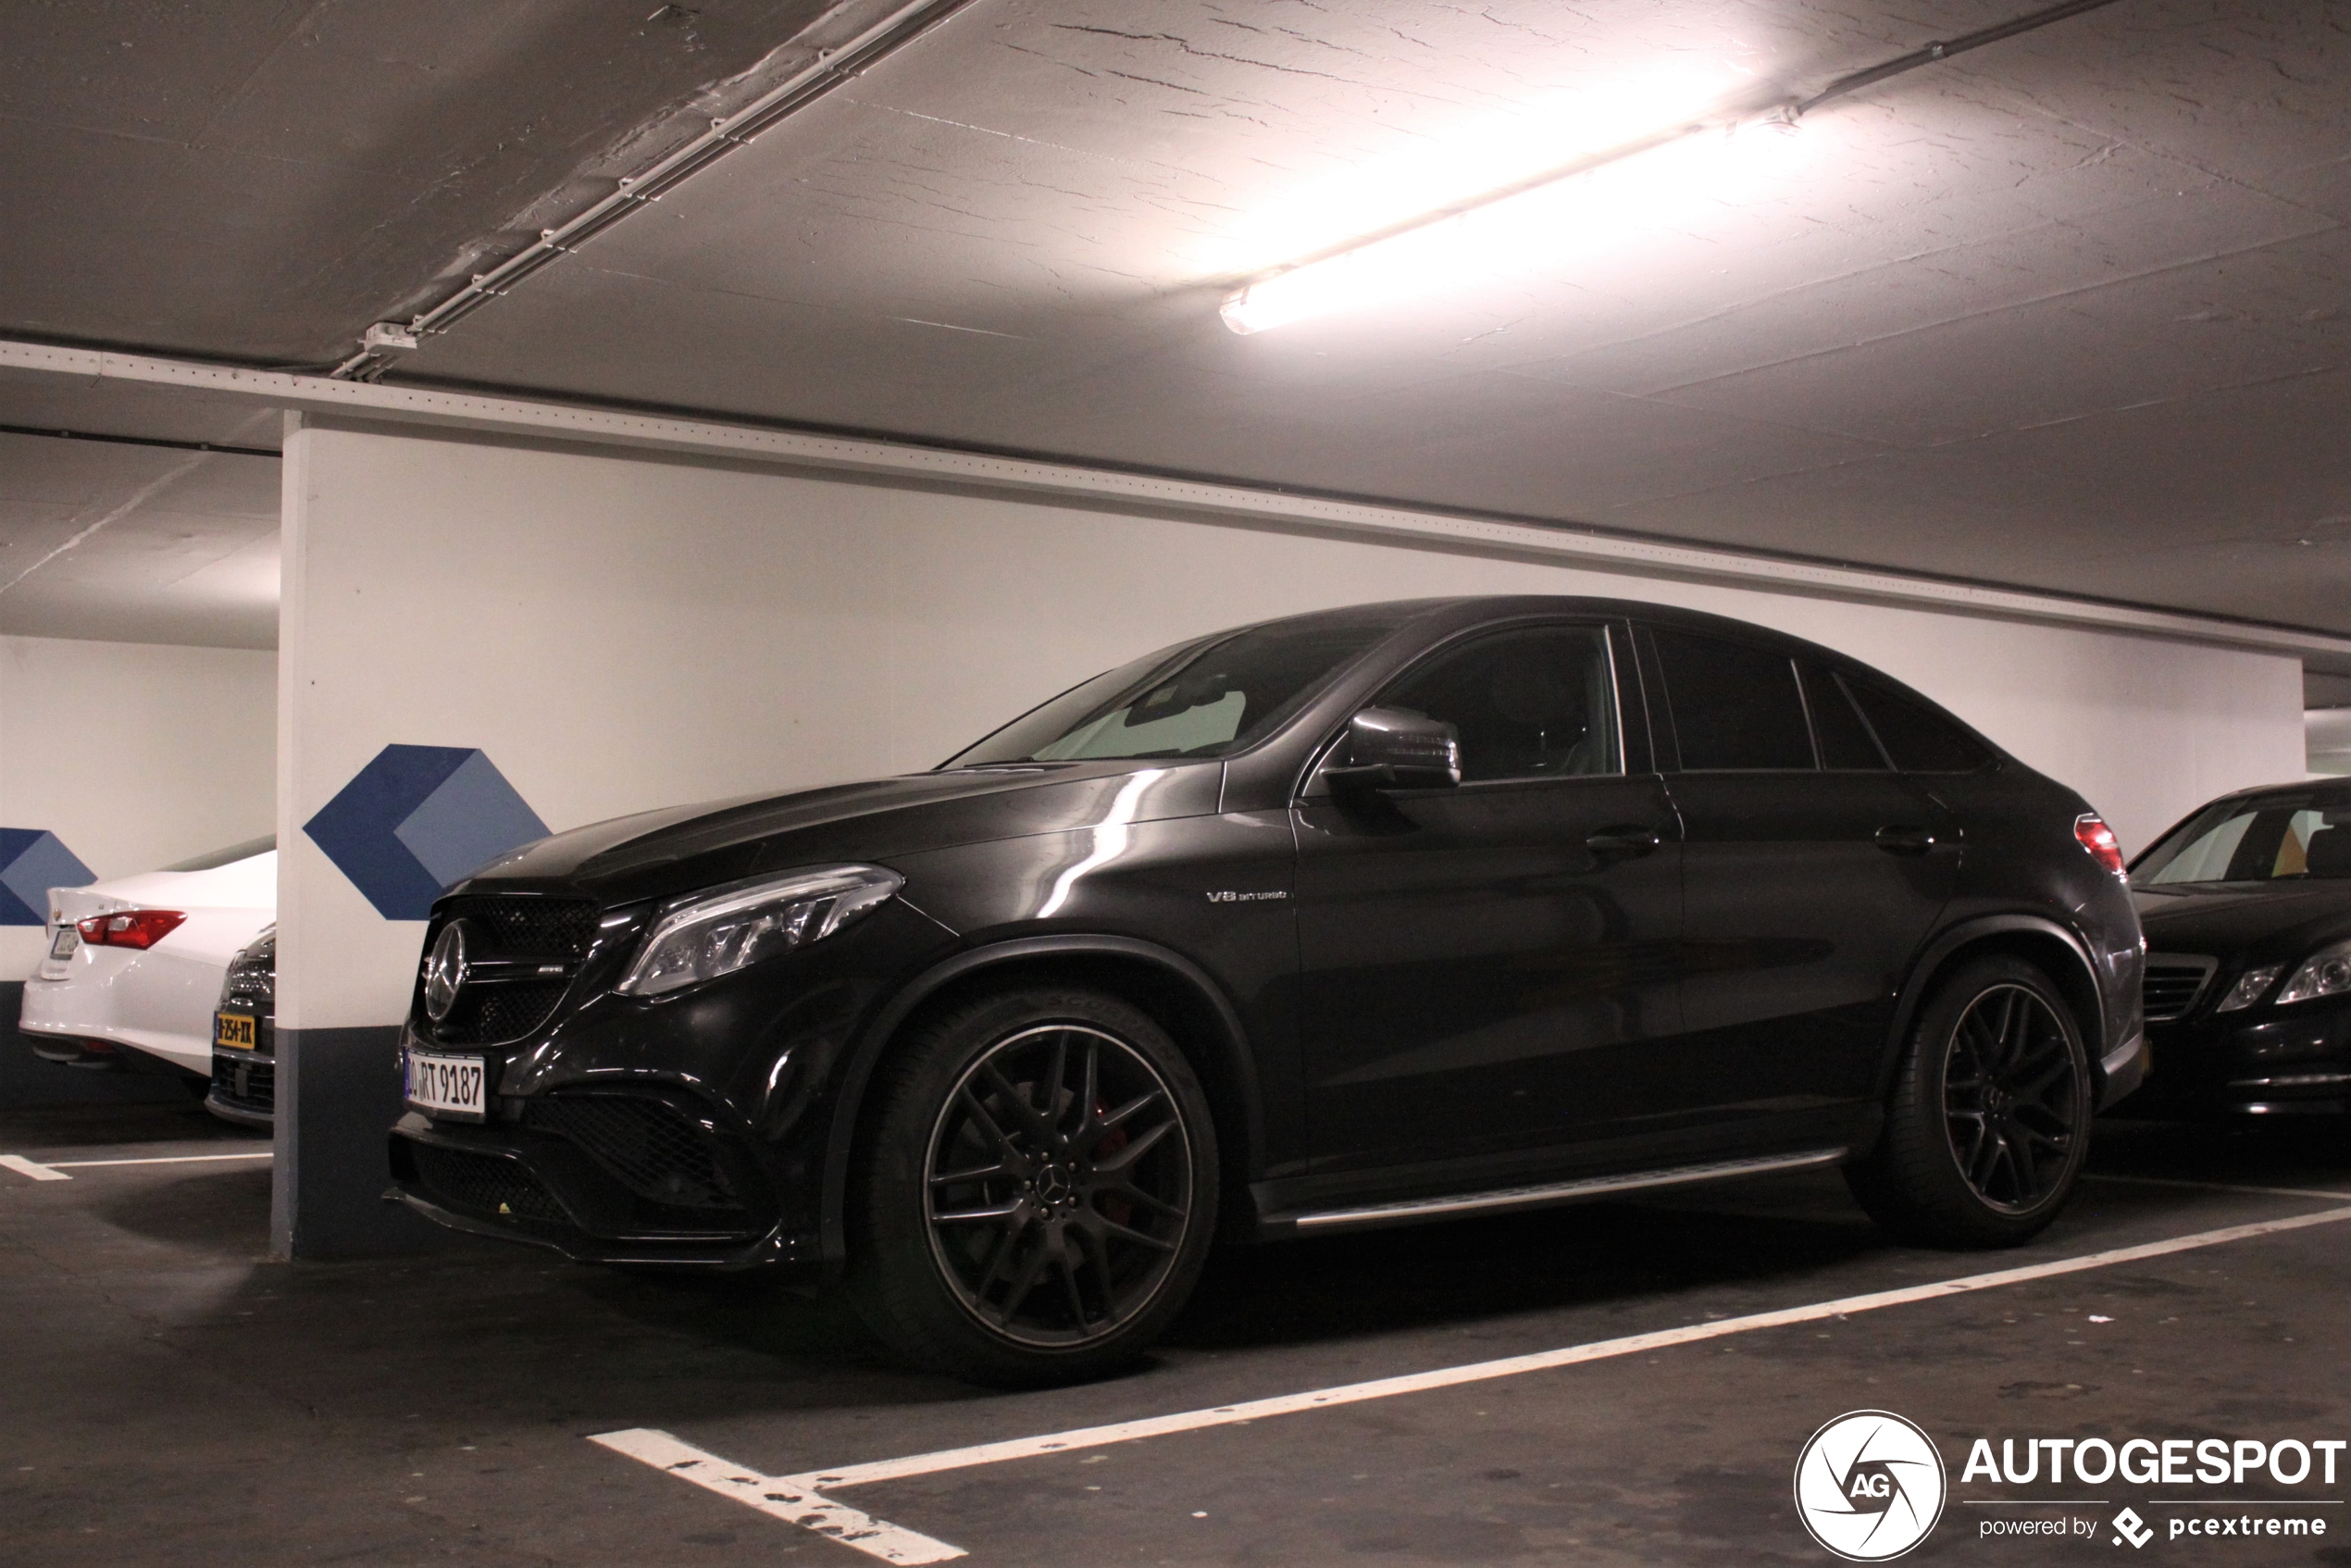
(1397, 748)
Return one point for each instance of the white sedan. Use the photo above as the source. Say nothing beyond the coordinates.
(138, 962)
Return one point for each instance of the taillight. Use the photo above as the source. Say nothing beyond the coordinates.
(130, 928)
(2098, 839)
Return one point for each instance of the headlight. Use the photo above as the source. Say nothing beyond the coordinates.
(717, 933)
(2249, 987)
(2325, 973)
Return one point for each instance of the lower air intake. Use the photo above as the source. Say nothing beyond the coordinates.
(483, 1185)
(650, 1146)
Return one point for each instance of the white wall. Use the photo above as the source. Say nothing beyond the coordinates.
(135, 755)
(621, 632)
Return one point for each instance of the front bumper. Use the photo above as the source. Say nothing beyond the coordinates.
(245, 1087)
(691, 1128)
(2293, 1060)
(626, 1177)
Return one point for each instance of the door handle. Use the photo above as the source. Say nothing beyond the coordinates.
(1630, 840)
(1902, 840)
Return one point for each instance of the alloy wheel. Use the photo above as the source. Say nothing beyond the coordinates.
(2012, 1098)
(1058, 1185)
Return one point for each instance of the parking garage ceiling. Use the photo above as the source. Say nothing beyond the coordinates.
(2063, 313)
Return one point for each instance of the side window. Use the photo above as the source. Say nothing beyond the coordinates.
(1844, 739)
(1734, 706)
(1537, 703)
(1916, 739)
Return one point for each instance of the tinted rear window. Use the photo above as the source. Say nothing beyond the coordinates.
(1734, 705)
(1918, 740)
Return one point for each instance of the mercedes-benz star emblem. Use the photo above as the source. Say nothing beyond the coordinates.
(445, 971)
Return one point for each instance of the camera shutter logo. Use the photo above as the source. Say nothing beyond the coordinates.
(1870, 1486)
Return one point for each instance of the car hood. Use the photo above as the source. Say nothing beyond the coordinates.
(657, 853)
(2280, 920)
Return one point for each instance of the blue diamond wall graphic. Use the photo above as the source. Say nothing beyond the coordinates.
(418, 819)
(32, 861)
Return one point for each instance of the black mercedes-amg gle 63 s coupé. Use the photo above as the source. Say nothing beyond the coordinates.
(2247, 910)
(1358, 918)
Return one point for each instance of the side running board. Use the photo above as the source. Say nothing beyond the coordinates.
(1413, 1209)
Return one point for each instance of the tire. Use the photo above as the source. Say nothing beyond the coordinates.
(1015, 1234)
(1989, 1116)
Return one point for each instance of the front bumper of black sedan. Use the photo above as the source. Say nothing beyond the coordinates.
(2257, 1060)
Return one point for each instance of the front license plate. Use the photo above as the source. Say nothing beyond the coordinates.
(447, 1086)
(233, 1031)
(64, 942)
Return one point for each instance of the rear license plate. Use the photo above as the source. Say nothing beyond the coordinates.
(447, 1086)
(64, 942)
(233, 1031)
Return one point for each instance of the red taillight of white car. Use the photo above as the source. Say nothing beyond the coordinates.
(2098, 839)
(130, 928)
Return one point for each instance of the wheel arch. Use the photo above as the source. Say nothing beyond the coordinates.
(1171, 988)
(2061, 954)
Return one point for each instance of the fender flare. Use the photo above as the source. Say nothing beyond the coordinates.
(1977, 930)
(874, 1037)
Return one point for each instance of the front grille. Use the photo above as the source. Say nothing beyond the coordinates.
(511, 926)
(521, 927)
(246, 1083)
(494, 1015)
(256, 985)
(253, 974)
(483, 1184)
(2174, 983)
(655, 1149)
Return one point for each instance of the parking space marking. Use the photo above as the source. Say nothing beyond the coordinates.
(798, 1497)
(1513, 1366)
(190, 1159)
(783, 1498)
(56, 1169)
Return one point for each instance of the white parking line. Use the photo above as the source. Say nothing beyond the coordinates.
(176, 1159)
(797, 1497)
(56, 1169)
(791, 1501)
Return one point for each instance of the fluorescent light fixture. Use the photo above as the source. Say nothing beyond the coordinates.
(1572, 209)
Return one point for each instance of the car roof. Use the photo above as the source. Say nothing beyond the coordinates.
(1461, 611)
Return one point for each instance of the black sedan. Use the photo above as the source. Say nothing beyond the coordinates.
(1359, 918)
(2247, 910)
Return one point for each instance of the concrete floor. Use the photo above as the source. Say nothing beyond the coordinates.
(168, 1395)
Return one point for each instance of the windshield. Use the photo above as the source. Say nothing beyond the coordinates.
(2272, 837)
(1198, 699)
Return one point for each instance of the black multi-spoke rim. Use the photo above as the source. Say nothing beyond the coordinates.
(1059, 1181)
(2013, 1099)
